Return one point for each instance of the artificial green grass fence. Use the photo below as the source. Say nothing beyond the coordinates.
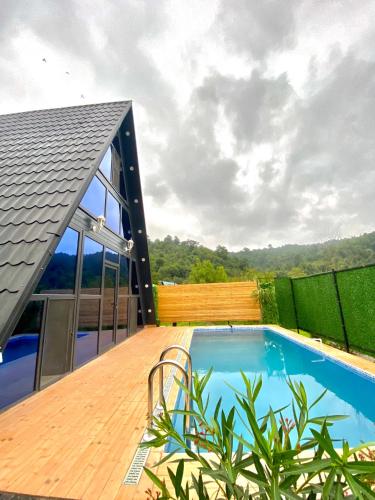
(339, 305)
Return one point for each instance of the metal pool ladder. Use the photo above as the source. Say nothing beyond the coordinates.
(323, 358)
(187, 377)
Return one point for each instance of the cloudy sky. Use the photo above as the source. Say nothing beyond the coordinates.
(255, 119)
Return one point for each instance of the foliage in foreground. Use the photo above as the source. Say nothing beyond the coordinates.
(280, 457)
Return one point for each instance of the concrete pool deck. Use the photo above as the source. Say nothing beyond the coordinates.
(77, 438)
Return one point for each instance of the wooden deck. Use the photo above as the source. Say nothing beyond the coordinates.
(76, 439)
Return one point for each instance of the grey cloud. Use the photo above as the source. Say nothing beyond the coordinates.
(257, 28)
(334, 149)
(193, 167)
(254, 106)
(205, 181)
(157, 188)
(331, 156)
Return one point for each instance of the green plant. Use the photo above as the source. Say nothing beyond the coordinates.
(270, 462)
(267, 300)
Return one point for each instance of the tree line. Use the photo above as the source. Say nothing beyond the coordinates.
(190, 262)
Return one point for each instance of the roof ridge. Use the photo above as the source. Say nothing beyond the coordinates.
(76, 106)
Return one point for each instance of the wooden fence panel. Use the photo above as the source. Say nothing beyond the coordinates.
(209, 302)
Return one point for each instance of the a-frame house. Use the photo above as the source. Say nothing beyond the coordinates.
(74, 267)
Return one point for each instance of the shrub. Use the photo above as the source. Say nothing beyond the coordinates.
(267, 300)
(271, 462)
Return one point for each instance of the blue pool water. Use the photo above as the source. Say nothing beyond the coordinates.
(269, 354)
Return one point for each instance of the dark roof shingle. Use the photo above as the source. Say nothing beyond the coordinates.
(46, 159)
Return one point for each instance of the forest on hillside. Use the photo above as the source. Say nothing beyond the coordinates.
(189, 262)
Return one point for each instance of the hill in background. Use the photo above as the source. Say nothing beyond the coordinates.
(173, 260)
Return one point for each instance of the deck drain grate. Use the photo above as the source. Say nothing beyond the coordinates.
(139, 460)
(136, 467)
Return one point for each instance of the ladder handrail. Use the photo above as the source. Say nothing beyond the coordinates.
(156, 367)
(161, 375)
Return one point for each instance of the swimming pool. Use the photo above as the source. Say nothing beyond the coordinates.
(265, 352)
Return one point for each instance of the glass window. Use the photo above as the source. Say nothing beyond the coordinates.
(122, 185)
(109, 307)
(94, 198)
(126, 231)
(17, 371)
(124, 275)
(60, 274)
(106, 163)
(92, 267)
(135, 288)
(116, 171)
(113, 213)
(88, 331)
(122, 322)
(111, 255)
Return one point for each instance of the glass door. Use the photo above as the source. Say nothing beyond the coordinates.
(57, 341)
(133, 314)
(123, 294)
(108, 330)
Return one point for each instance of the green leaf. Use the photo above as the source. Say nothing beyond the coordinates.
(318, 399)
(330, 479)
(257, 388)
(253, 477)
(259, 467)
(179, 475)
(311, 466)
(217, 409)
(327, 419)
(245, 462)
(359, 467)
(275, 492)
(160, 484)
(326, 444)
(362, 487)
(165, 458)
